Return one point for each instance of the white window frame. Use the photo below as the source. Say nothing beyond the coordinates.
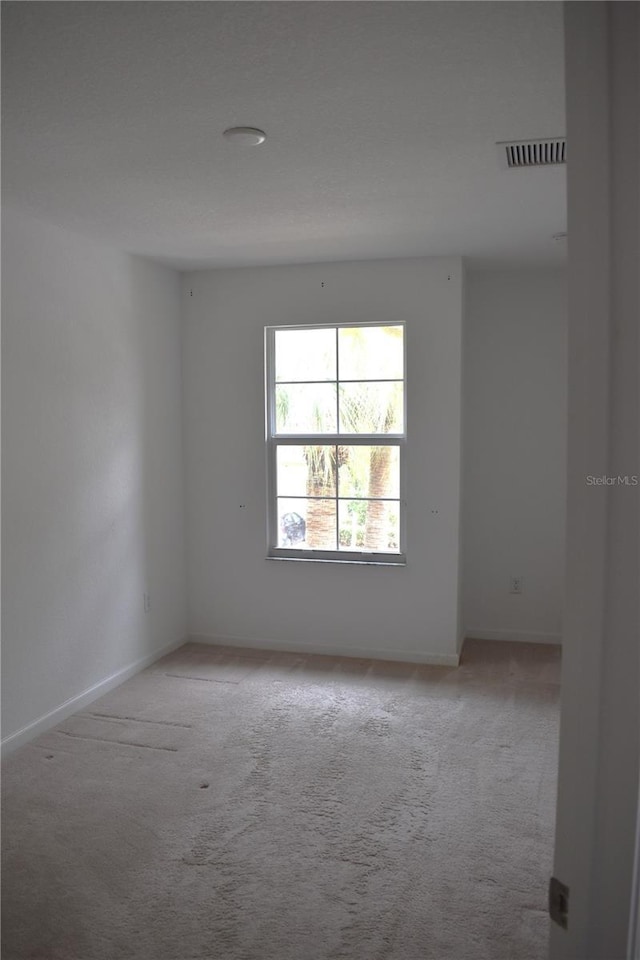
(273, 441)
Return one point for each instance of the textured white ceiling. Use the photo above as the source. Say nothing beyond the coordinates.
(381, 117)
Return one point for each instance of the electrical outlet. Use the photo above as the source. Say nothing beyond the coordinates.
(147, 603)
(517, 585)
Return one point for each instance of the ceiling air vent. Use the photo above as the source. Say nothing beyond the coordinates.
(533, 153)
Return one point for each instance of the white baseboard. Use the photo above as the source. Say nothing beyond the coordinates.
(331, 649)
(34, 729)
(518, 636)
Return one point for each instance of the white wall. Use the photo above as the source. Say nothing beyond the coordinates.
(515, 384)
(600, 719)
(92, 492)
(237, 595)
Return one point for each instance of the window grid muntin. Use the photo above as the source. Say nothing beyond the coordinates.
(304, 496)
(294, 383)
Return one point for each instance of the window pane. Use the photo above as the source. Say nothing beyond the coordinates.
(306, 524)
(371, 407)
(369, 472)
(306, 408)
(371, 353)
(308, 471)
(370, 525)
(306, 354)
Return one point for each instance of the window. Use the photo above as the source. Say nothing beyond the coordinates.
(336, 441)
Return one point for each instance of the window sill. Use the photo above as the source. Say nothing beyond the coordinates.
(401, 562)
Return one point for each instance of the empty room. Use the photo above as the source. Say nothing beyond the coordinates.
(319, 448)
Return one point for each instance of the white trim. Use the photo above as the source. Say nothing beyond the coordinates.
(518, 636)
(343, 556)
(34, 729)
(355, 559)
(633, 948)
(330, 649)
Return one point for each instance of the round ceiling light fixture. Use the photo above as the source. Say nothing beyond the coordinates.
(249, 136)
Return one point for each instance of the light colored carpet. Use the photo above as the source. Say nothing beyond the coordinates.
(225, 805)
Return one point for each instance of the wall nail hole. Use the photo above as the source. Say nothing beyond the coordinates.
(49, 756)
(203, 786)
